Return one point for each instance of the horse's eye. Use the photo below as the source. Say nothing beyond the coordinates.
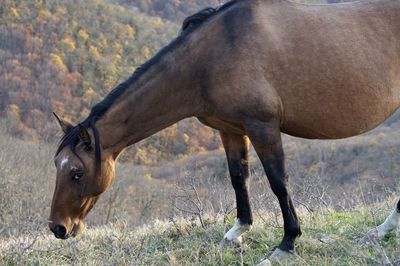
(76, 175)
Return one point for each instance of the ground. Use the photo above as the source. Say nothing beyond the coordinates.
(329, 238)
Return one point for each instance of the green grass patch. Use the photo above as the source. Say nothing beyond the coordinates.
(187, 243)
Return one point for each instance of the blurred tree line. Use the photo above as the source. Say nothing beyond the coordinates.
(173, 10)
(64, 56)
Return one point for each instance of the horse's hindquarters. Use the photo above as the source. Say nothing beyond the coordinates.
(335, 68)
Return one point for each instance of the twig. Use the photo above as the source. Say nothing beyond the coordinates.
(305, 206)
(25, 249)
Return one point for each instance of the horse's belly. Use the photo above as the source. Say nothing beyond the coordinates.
(339, 118)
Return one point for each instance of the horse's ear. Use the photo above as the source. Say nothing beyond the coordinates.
(84, 135)
(65, 126)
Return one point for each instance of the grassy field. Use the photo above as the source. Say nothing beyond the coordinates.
(186, 242)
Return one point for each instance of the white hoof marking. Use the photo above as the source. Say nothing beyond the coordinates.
(235, 233)
(377, 234)
(391, 223)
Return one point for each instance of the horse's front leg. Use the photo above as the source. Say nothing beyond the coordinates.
(391, 223)
(236, 148)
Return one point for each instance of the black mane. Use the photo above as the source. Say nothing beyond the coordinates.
(198, 18)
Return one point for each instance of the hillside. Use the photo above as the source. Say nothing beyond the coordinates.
(329, 238)
(64, 56)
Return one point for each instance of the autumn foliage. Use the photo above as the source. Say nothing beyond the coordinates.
(64, 56)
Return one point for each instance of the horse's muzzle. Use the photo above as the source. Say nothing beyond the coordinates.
(59, 231)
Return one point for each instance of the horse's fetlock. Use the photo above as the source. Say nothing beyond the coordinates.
(293, 231)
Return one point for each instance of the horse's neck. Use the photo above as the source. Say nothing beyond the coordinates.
(162, 96)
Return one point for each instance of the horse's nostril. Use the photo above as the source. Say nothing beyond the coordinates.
(59, 231)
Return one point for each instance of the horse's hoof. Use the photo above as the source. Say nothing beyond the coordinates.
(279, 256)
(282, 256)
(236, 242)
(265, 262)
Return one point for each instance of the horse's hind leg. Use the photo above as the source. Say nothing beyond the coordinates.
(391, 223)
(236, 148)
(266, 139)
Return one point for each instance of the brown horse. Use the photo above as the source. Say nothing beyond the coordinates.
(251, 69)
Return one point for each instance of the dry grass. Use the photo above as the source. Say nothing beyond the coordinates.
(185, 242)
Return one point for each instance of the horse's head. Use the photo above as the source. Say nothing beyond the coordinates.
(83, 173)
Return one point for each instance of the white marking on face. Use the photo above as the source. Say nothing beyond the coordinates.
(63, 162)
(391, 223)
(236, 231)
